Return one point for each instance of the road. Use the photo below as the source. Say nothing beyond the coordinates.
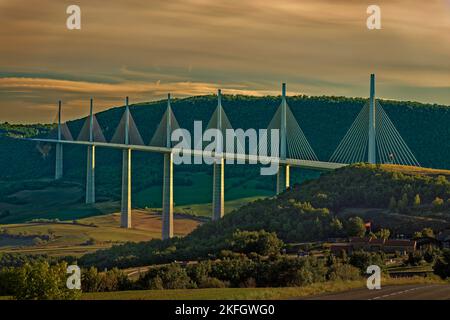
(403, 292)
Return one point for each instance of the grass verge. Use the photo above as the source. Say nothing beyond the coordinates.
(250, 293)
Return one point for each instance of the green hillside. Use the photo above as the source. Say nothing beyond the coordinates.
(324, 121)
(314, 211)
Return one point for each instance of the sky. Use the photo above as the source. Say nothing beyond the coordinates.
(147, 48)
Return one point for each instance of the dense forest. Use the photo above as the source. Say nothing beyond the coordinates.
(324, 121)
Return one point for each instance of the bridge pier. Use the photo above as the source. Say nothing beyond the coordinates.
(218, 190)
(125, 218)
(167, 200)
(282, 178)
(90, 175)
(59, 161)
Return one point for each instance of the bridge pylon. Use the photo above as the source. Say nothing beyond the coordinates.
(167, 196)
(90, 172)
(218, 203)
(59, 148)
(373, 138)
(125, 213)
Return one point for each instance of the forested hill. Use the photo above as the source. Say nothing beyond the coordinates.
(324, 120)
(406, 202)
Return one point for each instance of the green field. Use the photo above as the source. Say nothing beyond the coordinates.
(200, 192)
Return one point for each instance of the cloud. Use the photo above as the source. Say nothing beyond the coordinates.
(33, 94)
(196, 46)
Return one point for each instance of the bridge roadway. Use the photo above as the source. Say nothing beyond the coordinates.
(305, 164)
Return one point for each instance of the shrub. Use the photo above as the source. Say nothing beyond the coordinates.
(442, 264)
(40, 281)
(260, 242)
(212, 283)
(171, 276)
(344, 272)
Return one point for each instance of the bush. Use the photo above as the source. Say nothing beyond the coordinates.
(260, 242)
(356, 227)
(112, 280)
(344, 272)
(442, 264)
(362, 260)
(40, 281)
(171, 276)
(212, 283)
(414, 259)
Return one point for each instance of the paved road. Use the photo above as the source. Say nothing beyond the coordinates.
(403, 292)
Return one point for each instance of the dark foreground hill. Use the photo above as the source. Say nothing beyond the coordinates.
(294, 218)
(324, 120)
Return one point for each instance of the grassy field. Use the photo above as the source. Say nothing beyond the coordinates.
(200, 192)
(64, 200)
(415, 170)
(88, 234)
(248, 293)
(204, 209)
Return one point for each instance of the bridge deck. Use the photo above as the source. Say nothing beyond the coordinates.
(248, 158)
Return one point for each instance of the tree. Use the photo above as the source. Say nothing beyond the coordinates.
(356, 227)
(171, 276)
(40, 281)
(403, 203)
(260, 242)
(427, 232)
(437, 204)
(383, 234)
(416, 202)
(392, 204)
(362, 260)
(442, 265)
(336, 227)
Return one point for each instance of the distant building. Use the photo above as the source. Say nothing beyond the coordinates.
(374, 245)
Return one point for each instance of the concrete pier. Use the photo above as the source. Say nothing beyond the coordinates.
(90, 175)
(167, 200)
(59, 161)
(372, 158)
(218, 206)
(125, 218)
(282, 178)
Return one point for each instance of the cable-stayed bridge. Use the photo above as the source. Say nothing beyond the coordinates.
(371, 138)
